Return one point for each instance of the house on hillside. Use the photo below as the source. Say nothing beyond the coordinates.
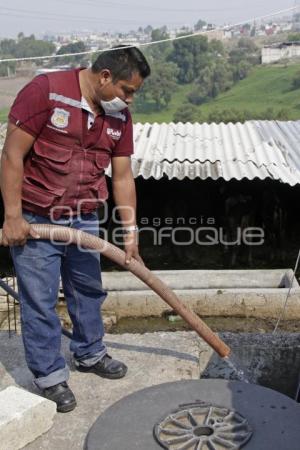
(276, 52)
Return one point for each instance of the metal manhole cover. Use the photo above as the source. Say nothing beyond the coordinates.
(203, 427)
(129, 424)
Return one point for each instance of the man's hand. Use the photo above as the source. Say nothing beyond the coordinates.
(16, 231)
(131, 247)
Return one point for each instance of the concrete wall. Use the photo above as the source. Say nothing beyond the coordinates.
(209, 293)
(272, 54)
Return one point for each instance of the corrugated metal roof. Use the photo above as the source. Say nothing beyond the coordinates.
(255, 149)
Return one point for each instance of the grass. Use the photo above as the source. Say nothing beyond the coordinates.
(265, 87)
(166, 115)
(3, 114)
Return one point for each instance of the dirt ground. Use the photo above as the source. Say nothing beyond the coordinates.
(218, 324)
(168, 323)
(9, 87)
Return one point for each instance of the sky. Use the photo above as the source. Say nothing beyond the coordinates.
(124, 15)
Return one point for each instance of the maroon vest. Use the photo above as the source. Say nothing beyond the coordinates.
(61, 173)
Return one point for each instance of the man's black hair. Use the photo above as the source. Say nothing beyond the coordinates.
(122, 63)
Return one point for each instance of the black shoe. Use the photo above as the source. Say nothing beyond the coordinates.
(106, 368)
(62, 395)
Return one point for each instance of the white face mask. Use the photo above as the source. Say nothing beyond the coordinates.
(113, 106)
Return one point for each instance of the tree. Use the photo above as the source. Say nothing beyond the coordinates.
(21, 36)
(247, 44)
(158, 51)
(29, 46)
(215, 78)
(148, 29)
(190, 55)
(8, 68)
(198, 95)
(26, 47)
(158, 34)
(8, 47)
(246, 50)
(241, 70)
(158, 89)
(74, 47)
(227, 115)
(222, 77)
(187, 113)
(199, 25)
(216, 48)
(236, 55)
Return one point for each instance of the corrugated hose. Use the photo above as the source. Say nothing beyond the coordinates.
(115, 254)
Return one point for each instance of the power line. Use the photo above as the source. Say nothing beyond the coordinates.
(24, 14)
(41, 14)
(135, 6)
(95, 21)
(146, 44)
(152, 8)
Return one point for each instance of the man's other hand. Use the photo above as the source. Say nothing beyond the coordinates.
(16, 231)
(131, 248)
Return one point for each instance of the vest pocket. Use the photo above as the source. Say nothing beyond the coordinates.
(40, 196)
(56, 159)
(99, 190)
(102, 160)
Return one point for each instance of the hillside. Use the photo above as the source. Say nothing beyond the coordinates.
(265, 87)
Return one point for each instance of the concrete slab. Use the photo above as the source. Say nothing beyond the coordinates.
(151, 358)
(23, 417)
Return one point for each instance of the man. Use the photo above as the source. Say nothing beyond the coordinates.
(64, 129)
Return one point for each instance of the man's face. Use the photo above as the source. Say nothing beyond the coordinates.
(124, 89)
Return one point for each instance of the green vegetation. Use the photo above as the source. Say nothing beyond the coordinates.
(74, 61)
(193, 79)
(159, 89)
(192, 71)
(294, 37)
(24, 47)
(267, 93)
(166, 115)
(29, 46)
(3, 115)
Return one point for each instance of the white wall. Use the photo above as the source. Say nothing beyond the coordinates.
(272, 54)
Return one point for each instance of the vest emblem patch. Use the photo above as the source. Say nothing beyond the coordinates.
(60, 118)
(114, 134)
